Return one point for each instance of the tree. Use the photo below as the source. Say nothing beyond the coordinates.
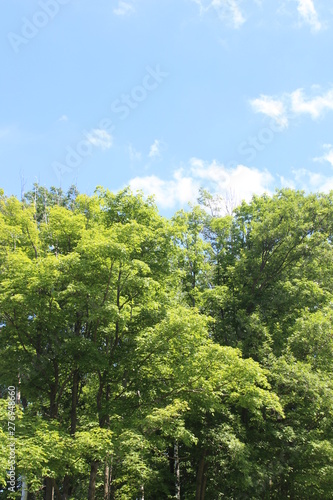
(189, 358)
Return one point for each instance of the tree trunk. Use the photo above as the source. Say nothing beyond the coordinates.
(18, 392)
(107, 480)
(112, 489)
(49, 488)
(53, 391)
(204, 483)
(24, 495)
(92, 480)
(177, 470)
(66, 485)
(201, 481)
(75, 389)
(171, 460)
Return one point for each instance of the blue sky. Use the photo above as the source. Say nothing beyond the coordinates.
(167, 96)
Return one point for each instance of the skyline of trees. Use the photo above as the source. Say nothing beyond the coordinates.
(155, 358)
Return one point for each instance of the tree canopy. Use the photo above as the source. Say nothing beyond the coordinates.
(162, 358)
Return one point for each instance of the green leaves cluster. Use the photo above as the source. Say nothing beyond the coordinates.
(156, 355)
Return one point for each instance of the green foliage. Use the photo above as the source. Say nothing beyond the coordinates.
(149, 352)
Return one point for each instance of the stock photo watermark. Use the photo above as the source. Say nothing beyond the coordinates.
(257, 143)
(11, 433)
(30, 28)
(100, 136)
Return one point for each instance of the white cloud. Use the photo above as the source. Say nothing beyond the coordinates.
(204, 5)
(290, 105)
(271, 107)
(239, 183)
(314, 107)
(242, 180)
(308, 13)
(327, 185)
(134, 154)
(100, 138)
(304, 177)
(155, 149)
(230, 11)
(287, 183)
(168, 193)
(184, 186)
(227, 10)
(326, 157)
(63, 118)
(124, 9)
(312, 181)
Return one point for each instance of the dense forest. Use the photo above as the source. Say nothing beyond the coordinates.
(167, 358)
